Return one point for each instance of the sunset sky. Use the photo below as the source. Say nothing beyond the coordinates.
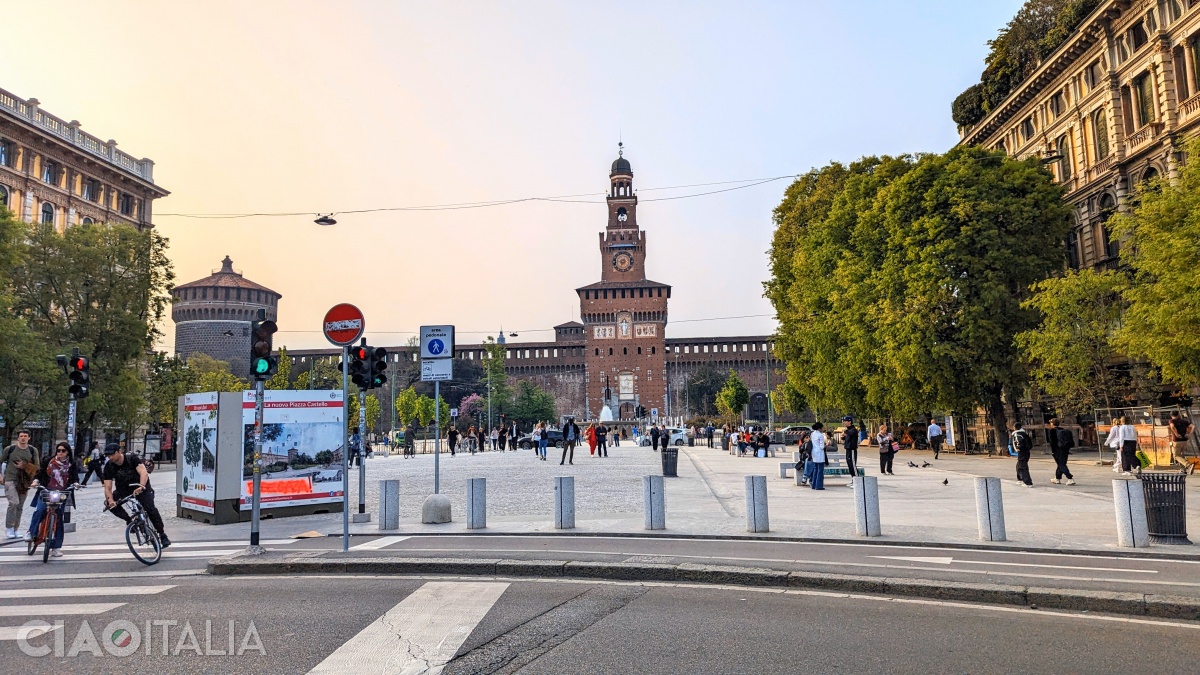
(261, 107)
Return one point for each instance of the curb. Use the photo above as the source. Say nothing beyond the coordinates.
(860, 541)
(1132, 604)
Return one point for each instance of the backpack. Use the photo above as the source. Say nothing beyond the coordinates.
(1021, 440)
(1066, 439)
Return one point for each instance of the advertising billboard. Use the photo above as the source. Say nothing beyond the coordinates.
(198, 486)
(301, 448)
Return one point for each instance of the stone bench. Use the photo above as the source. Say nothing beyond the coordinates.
(835, 465)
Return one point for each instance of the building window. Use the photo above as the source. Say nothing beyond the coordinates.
(3, 196)
(125, 204)
(47, 213)
(1073, 249)
(87, 220)
(1122, 49)
(1143, 93)
(653, 350)
(1107, 206)
(1001, 148)
(1057, 104)
(1172, 11)
(1028, 129)
(50, 173)
(597, 352)
(7, 153)
(610, 351)
(1094, 75)
(91, 189)
(1100, 128)
(1063, 146)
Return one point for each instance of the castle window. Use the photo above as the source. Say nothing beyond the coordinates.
(653, 350)
(624, 351)
(47, 213)
(639, 350)
(597, 352)
(610, 351)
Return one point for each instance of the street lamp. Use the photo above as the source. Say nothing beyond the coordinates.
(325, 220)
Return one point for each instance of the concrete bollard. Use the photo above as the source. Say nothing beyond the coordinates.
(564, 502)
(866, 506)
(656, 503)
(476, 503)
(989, 509)
(1129, 500)
(389, 504)
(756, 504)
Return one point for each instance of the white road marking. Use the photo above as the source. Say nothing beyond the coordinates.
(10, 633)
(419, 635)
(22, 550)
(948, 560)
(92, 557)
(142, 574)
(59, 610)
(20, 593)
(377, 544)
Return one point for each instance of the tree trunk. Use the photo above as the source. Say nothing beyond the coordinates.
(999, 422)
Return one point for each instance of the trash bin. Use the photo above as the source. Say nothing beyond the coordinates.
(691, 442)
(1166, 507)
(670, 461)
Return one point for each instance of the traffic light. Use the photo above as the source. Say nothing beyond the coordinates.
(641, 411)
(262, 333)
(359, 369)
(80, 375)
(378, 365)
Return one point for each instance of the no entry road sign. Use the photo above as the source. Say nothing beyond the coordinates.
(343, 324)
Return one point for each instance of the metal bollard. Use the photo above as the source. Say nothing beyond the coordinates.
(1129, 500)
(866, 506)
(756, 504)
(989, 509)
(476, 503)
(564, 502)
(389, 504)
(656, 506)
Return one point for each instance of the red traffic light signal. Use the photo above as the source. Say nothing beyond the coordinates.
(80, 376)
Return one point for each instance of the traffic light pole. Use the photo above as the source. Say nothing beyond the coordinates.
(71, 425)
(362, 451)
(437, 435)
(345, 448)
(256, 498)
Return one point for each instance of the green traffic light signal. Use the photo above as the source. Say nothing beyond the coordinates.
(262, 366)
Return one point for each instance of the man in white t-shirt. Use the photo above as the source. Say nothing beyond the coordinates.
(818, 456)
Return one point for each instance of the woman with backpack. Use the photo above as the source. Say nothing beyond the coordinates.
(887, 449)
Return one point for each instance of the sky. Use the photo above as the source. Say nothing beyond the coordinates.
(318, 107)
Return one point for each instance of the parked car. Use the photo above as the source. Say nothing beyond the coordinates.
(675, 436)
(554, 437)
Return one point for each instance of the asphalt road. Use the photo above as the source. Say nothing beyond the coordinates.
(413, 625)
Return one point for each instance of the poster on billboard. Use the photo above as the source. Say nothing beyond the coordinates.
(198, 487)
(301, 448)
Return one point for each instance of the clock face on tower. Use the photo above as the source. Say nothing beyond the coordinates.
(622, 262)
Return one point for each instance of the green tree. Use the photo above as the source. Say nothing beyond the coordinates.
(103, 289)
(1159, 238)
(407, 403)
(170, 378)
(496, 377)
(325, 374)
(732, 398)
(702, 388)
(282, 378)
(373, 411)
(532, 404)
(1071, 350)
(214, 375)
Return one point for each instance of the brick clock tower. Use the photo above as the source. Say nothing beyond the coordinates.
(624, 314)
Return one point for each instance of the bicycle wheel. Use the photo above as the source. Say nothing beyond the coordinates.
(49, 526)
(143, 542)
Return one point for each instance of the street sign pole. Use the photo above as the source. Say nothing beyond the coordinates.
(437, 436)
(71, 425)
(345, 448)
(362, 451)
(256, 497)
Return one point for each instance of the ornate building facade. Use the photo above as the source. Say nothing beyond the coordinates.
(212, 315)
(52, 172)
(618, 354)
(1107, 110)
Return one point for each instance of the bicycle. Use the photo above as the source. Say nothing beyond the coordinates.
(54, 500)
(140, 535)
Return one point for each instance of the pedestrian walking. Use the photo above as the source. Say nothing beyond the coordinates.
(602, 440)
(1126, 435)
(410, 441)
(452, 438)
(655, 432)
(936, 437)
(94, 462)
(1022, 442)
(570, 432)
(541, 437)
(850, 447)
(1061, 442)
(708, 433)
(1181, 430)
(20, 468)
(502, 438)
(471, 439)
(513, 434)
(732, 440)
(818, 456)
(887, 452)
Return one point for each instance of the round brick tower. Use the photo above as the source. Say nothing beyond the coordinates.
(213, 315)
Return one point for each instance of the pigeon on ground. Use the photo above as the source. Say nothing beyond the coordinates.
(925, 465)
(912, 465)
(946, 481)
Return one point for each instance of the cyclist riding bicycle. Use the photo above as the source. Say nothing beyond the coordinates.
(122, 470)
(60, 473)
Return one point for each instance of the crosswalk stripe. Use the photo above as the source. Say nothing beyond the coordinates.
(419, 635)
(377, 544)
(59, 610)
(142, 574)
(92, 557)
(21, 593)
(67, 548)
(10, 633)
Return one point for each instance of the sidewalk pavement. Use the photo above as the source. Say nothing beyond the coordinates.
(707, 498)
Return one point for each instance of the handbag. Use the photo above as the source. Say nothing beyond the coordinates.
(1142, 458)
(895, 446)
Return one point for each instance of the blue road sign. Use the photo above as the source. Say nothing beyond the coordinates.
(436, 346)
